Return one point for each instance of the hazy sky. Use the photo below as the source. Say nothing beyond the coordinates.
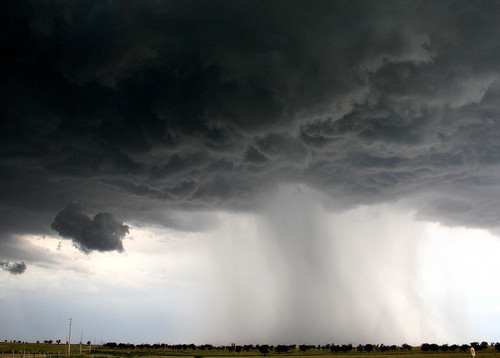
(250, 171)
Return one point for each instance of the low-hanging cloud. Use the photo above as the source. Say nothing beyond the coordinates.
(15, 268)
(102, 233)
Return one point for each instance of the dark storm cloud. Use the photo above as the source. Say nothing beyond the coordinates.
(156, 107)
(15, 268)
(102, 233)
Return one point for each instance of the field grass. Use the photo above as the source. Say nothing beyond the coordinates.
(40, 348)
(35, 350)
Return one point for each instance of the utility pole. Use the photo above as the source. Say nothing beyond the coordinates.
(81, 337)
(69, 337)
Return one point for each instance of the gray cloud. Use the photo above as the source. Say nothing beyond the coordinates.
(102, 233)
(155, 107)
(15, 268)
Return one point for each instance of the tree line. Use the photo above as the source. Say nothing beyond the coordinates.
(281, 348)
(426, 347)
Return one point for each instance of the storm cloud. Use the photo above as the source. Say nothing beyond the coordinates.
(102, 233)
(208, 105)
(15, 268)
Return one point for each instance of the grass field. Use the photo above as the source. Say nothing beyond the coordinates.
(38, 349)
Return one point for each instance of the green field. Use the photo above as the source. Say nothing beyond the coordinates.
(39, 350)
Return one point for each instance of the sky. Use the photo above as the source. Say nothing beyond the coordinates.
(280, 172)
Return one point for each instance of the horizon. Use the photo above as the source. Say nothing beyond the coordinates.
(375, 346)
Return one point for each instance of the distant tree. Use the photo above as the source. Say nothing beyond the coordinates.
(454, 347)
(304, 347)
(282, 348)
(369, 347)
(464, 347)
(334, 348)
(58, 341)
(406, 347)
(484, 345)
(444, 348)
(497, 346)
(263, 349)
